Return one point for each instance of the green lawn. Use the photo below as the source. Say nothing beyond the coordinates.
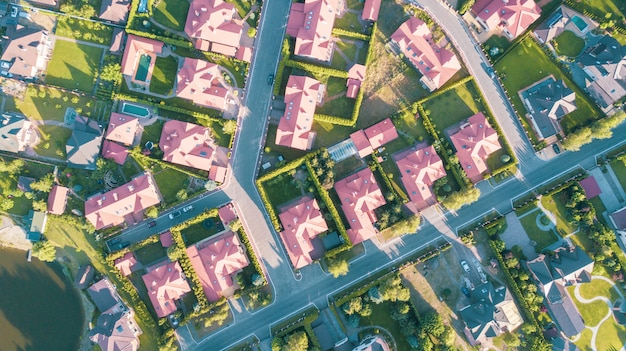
(381, 317)
(617, 8)
(151, 253)
(340, 106)
(541, 237)
(49, 103)
(525, 65)
(338, 62)
(74, 66)
(130, 168)
(350, 21)
(411, 125)
(554, 203)
(169, 182)
(348, 47)
(584, 340)
(171, 14)
(91, 31)
(598, 205)
(568, 44)
(335, 86)
(197, 232)
(164, 74)
(53, 141)
(598, 287)
(497, 41)
(592, 313)
(619, 169)
(329, 134)
(611, 336)
(454, 106)
(281, 189)
(152, 132)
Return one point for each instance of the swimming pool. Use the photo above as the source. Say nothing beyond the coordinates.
(135, 110)
(142, 67)
(580, 23)
(143, 6)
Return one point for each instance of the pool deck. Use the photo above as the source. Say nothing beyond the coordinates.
(151, 65)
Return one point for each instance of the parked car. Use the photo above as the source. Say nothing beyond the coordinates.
(465, 266)
(151, 224)
(465, 291)
(14, 11)
(270, 79)
(175, 214)
(115, 241)
(556, 148)
(188, 208)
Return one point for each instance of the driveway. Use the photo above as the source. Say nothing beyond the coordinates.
(516, 235)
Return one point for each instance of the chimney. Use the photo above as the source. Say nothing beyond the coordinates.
(115, 196)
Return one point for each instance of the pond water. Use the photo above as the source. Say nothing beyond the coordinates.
(39, 307)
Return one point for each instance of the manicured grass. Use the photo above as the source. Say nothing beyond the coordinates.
(197, 232)
(525, 65)
(584, 340)
(497, 41)
(49, 103)
(347, 167)
(568, 44)
(151, 253)
(598, 287)
(329, 134)
(340, 106)
(611, 336)
(130, 168)
(598, 205)
(410, 125)
(381, 316)
(335, 86)
(91, 31)
(350, 21)
(171, 14)
(554, 203)
(454, 106)
(593, 312)
(348, 48)
(169, 182)
(152, 132)
(282, 189)
(74, 66)
(338, 62)
(541, 237)
(163, 76)
(53, 141)
(619, 169)
(617, 9)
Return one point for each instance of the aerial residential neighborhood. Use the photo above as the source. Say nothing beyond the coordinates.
(346, 175)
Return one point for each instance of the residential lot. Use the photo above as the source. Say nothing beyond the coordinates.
(74, 66)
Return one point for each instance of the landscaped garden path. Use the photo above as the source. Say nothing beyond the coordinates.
(595, 329)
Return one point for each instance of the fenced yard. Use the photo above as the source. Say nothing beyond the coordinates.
(74, 66)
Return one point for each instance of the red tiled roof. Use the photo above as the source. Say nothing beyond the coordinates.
(218, 173)
(474, 143)
(57, 199)
(126, 264)
(187, 144)
(302, 221)
(436, 64)
(198, 81)
(353, 88)
(213, 21)
(227, 213)
(135, 45)
(165, 285)
(294, 128)
(362, 144)
(381, 133)
(311, 23)
(122, 128)
(419, 170)
(514, 15)
(244, 53)
(360, 196)
(123, 204)
(166, 239)
(215, 263)
(591, 187)
(114, 151)
(371, 10)
(356, 75)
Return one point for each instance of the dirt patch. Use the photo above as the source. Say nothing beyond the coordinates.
(12, 235)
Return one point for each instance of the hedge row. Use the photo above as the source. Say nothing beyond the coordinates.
(166, 40)
(281, 66)
(396, 192)
(253, 258)
(308, 317)
(316, 69)
(170, 107)
(187, 267)
(350, 34)
(139, 157)
(334, 120)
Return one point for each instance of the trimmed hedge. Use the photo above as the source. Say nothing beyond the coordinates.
(171, 41)
(281, 66)
(350, 34)
(334, 119)
(255, 261)
(139, 157)
(377, 166)
(316, 69)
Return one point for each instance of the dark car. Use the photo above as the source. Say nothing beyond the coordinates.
(556, 148)
(151, 224)
(115, 241)
(465, 291)
(270, 79)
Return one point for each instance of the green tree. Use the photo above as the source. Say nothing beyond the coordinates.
(432, 323)
(230, 126)
(44, 184)
(461, 198)
(13, 167)
(355, 305)
(338, 267)
(111, 72)
(297, 341)
(152, 212)
(6, 204)
(40, 205)
(182, 195)
(235, 225)
(44, 251)
(448, 336)
(391, 289)
(511, 340)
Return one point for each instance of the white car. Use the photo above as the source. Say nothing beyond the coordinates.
(187, 208)
(174, 214)
(14, 11)
(465, 266)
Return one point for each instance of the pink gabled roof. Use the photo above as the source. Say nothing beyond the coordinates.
(360, 196)
(371, 10)
(123, 204)
(165, 285)
(214, 21)
(227, 213)
(354, 86)
(294, 128)
(302, 222)
(187, 144)
(361, 143)
(198, 81)
(514, 15)
(591, 187)
(126, 264)
(356, 75)
(216, 261)
(381, 133)
(436, 64)
(122, 128)
(57, 199)
(311, 23)
(218, 173)
(166, 239)
(419, 169)
(619, 218)
(114, 151)
(244, 53)
(474, 143)
(134, 46)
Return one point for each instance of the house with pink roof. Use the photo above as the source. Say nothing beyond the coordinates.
(166, 284)
(360, 195)
(512, 17)
(199, 81)
(139, 58)
(216, 262)
(371, 8)
(126, 264)
(218, 173)
(419, 169)
(301, 96)
(122, 128)
(302, 222)
(187, 144)
(57, 199)
(381, 133)
(474, 142)
(227, 213)
(436, 64)
(356, 76)
(166, 239)
(214, 25)
(124, 204)
(362, 144)
(114, 151)
(311, 24)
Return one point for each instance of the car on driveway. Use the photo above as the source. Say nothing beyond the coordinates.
(175, 214)
(465, 266)
(188, 208)
(151, 224)
(556, 148)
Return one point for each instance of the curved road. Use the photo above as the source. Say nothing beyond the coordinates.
(291, 295)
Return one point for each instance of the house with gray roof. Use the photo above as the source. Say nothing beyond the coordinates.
(25, 52)
(83, 146)
(561, 20)
(491, 313)
(566, 266)
(604, 65)
(15, 133)
(547, 101)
